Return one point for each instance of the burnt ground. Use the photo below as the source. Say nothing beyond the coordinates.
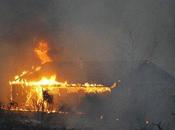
(35, 121)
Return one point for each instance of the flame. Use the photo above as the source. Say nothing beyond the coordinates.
(35, 100)
(47, 93)
(42, 52)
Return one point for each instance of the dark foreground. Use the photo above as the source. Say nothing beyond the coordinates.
(34, 121)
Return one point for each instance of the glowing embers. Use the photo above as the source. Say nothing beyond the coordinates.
(48, 94)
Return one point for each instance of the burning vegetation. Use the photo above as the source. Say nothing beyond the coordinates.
(47, 94)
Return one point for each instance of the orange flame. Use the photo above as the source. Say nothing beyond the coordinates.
(42, 52)
(46, 94)
(33, 92)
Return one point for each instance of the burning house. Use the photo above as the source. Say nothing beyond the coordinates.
(47, 94)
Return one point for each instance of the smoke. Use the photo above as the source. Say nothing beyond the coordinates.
(97, 41)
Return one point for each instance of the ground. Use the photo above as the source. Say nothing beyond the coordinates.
(19, 121)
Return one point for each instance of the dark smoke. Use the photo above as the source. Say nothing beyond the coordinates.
(97, 41)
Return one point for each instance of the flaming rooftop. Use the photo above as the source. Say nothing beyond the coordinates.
(48, 94)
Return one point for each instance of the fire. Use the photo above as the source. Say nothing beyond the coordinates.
(42, 52)
(48, 94)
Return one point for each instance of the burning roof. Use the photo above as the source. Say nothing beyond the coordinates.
(48, 94)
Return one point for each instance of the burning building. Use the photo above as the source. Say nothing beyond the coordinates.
(47, 94)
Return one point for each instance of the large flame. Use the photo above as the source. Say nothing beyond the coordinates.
(48, 94)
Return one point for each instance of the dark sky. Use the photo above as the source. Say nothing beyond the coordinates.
(114, 35)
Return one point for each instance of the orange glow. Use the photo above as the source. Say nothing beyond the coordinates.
(42, 52)
(48, 94)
